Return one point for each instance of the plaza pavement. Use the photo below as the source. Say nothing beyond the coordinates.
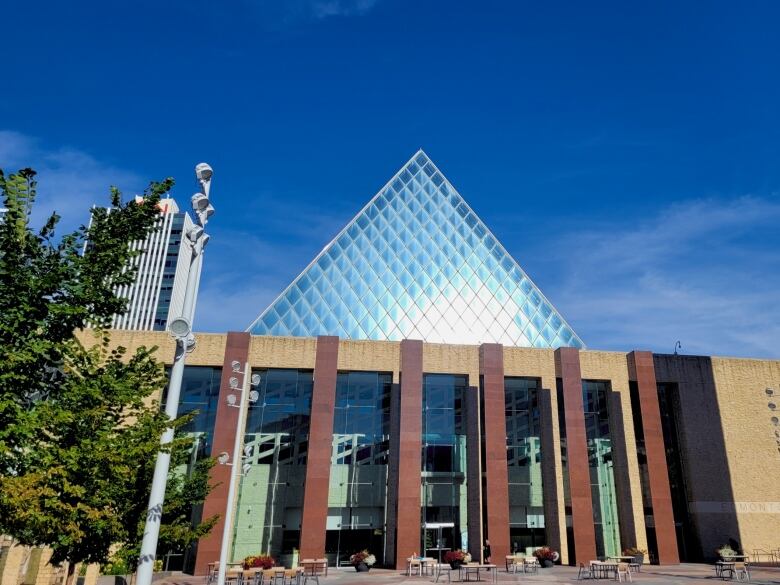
(650, 575)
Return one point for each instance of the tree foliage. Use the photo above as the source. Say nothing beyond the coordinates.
(79, 429)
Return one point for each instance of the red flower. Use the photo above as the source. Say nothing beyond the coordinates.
(262, 561)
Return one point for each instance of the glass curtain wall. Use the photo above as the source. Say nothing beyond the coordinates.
(600, 461)
(444, 486)
(270, 500)
(688, 544)
(644, 478)
(199, 395)
(358, 473)
(524, 463)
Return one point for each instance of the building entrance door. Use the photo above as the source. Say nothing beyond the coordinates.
(438, 539)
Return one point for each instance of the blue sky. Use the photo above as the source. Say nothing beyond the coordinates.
(627, 154)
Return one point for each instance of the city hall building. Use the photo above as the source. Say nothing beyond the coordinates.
(413, 391)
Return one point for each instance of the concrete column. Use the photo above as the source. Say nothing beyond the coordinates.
(568, 365)
(408, 519)
(226, 420)
(491, 366)
(315, 494)
(642, 369)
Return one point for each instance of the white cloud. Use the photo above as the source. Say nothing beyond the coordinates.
(70, 180)
(272, 14)
(327, 8)
(705, 272)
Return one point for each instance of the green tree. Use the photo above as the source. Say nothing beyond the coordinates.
(184, 491)
(79, 429)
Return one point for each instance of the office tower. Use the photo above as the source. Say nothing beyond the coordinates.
(157, 294)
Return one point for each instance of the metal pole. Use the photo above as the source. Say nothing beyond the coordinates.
(160, 479)
(237, 468)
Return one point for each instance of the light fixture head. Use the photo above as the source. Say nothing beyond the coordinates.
(190, 343)
(246, 468)
(180, 328)
(194, 233)
(200, 202)
(231, 399)
(203, 171)
(248, 450)
(235, 365)
(255, 379)
(223, 458)
(233, 382)
(253, 395)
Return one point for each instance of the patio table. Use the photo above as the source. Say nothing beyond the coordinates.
(474, 568)
(602, 569)
(632, 564)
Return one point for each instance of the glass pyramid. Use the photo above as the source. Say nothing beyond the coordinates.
(417, 263)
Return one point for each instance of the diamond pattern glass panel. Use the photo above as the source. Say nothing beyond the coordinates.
(417, 262)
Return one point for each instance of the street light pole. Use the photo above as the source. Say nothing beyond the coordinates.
(181, 329)
(235, 470)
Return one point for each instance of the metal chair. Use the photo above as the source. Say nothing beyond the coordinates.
(211, 575)
(530, 565)
(622, 572)
(324, 563)
(313, 570)
(742, 571)
(411, 564)
(584, 572)
(427, 566)
(273, 576)
(440, 568)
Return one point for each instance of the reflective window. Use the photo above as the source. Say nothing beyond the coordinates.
(600, 461)
(199, 395)
(276, 446)
(444, 485)
(358, 474)
(524, 463)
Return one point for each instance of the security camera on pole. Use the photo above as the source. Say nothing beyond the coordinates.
(181, 330)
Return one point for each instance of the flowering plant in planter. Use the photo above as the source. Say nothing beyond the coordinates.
(546, 556)
(726, 552)
(637, 553)
(259, 561)
(362, 557)
(634, 551)
(457, 555)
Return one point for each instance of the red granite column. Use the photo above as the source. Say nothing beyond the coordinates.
(491, 368)
(641, 369)
(236, 349)
(408, 524)
(315, 491)
(568, 364)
